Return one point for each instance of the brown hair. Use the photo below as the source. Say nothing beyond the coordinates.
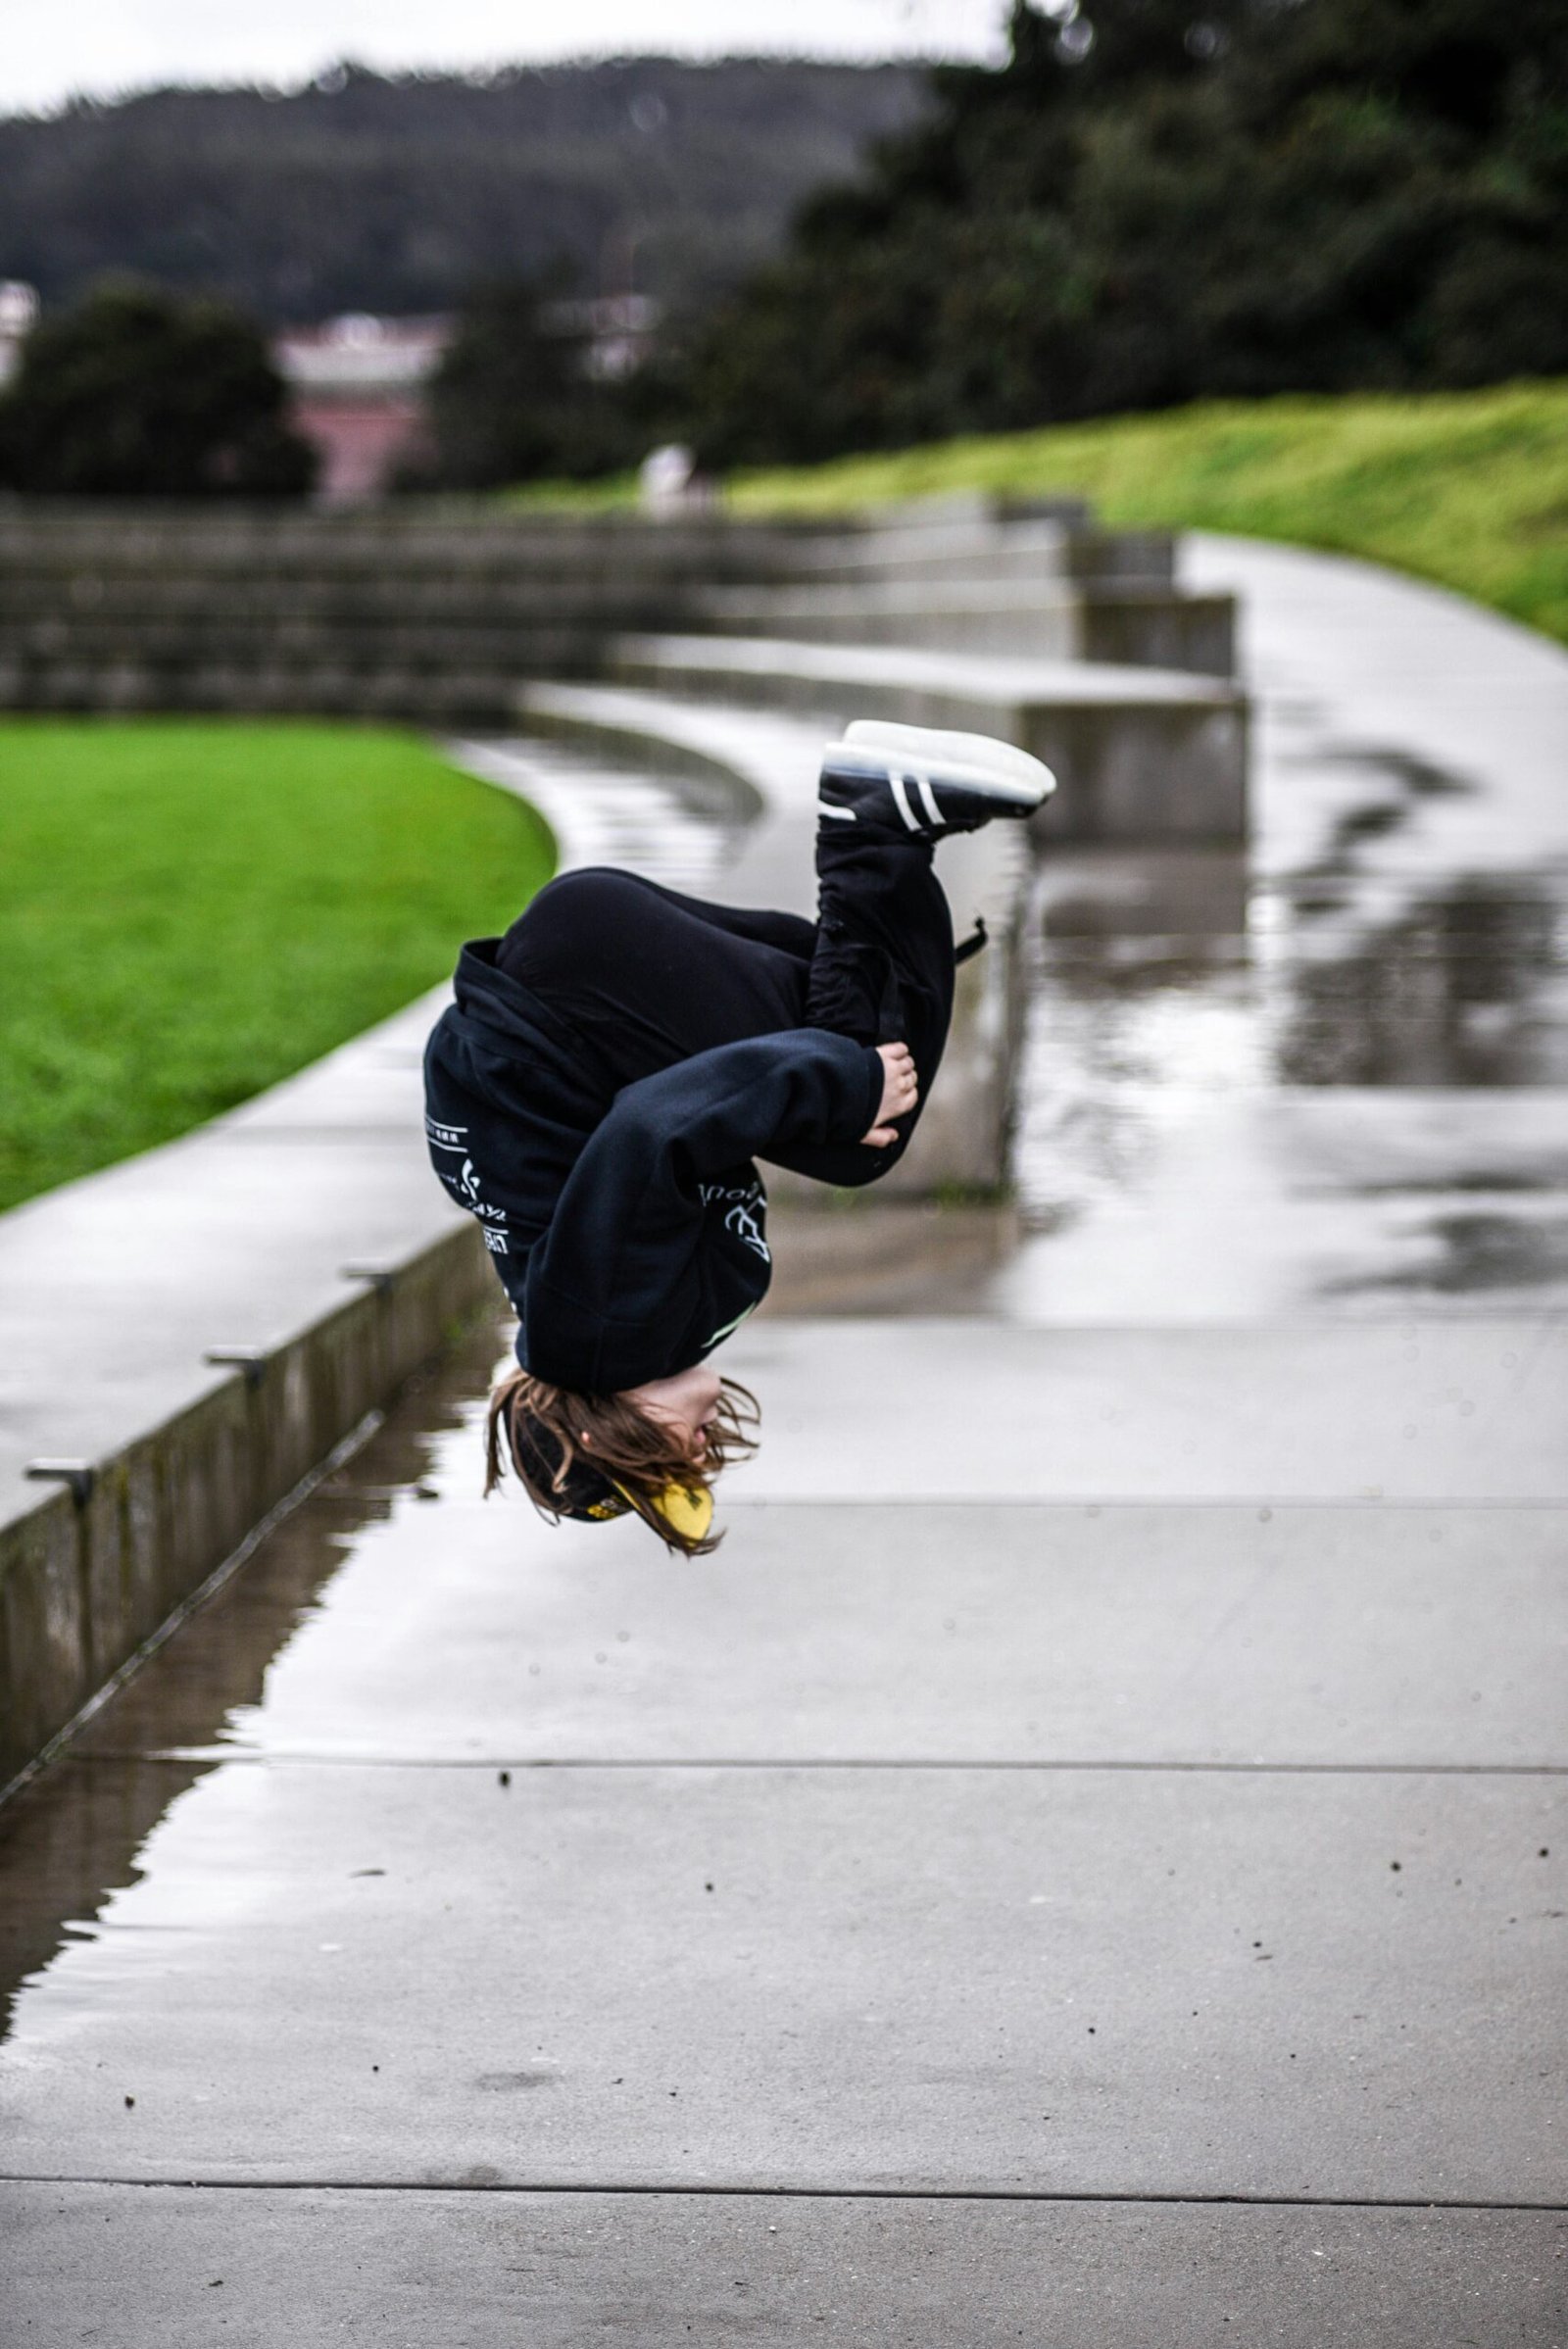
(631, 1451)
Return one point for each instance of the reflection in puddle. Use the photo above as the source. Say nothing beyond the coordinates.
(74, 1838)
(1405, 768)
(1468, 988)
(1477, 1252)
(1234, 1064)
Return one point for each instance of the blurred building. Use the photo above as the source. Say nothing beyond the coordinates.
(358, 383)
(357, 386)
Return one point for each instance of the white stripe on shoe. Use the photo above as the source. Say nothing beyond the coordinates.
(934, 815)
(846, 816)
(896, 784)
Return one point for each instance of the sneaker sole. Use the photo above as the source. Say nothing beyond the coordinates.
(968, 755)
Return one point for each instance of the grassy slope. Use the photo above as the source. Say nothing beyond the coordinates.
(1470, 489)
(190, 911)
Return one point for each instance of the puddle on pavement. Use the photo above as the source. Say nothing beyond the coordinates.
(1464, 987)
(74, 1837)
(1349, 1040)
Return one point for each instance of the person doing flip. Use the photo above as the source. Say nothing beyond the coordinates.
(610, 1073)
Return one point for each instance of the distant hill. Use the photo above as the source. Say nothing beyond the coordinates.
(396, 194)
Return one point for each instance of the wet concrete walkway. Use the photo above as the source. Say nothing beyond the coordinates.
(1085, 1863)
(1330, 1077)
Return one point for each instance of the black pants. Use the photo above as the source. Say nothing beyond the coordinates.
(649, 977)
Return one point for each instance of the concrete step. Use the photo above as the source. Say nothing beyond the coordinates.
(1155, 626)
(1031, 551)
(121, 539)
(192, 598)
(288, 640)
(1142, 755)
(451, 696)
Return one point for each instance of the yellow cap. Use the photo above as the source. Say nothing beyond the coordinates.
(687, 1509)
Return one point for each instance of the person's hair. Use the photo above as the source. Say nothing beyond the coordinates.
(635, 1452)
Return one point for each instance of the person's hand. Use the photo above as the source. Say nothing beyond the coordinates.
(900, 1089)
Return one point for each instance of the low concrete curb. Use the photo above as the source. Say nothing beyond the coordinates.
(106, 1555)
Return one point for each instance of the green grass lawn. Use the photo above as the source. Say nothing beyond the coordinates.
(190, 910)
(1467, 488)
(1470, 489)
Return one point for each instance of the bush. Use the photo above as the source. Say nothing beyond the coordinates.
(514, 398)
(141, 394)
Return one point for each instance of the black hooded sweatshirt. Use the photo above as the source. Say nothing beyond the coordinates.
(626, 1221)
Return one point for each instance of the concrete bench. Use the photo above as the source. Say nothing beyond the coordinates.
(1144, 755)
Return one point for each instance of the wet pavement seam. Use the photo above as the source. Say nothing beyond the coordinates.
(636, 2191)
(218, 1757)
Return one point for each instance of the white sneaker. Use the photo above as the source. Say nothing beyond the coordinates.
(914, 779)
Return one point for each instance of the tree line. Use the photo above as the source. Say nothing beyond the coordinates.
(1150, 202)
(1159, 201)
(399, 193)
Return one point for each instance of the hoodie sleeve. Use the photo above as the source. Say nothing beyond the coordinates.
(617, 1280)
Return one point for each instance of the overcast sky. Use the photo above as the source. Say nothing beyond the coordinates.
(49, 50)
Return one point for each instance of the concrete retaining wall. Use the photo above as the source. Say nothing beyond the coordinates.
(103, 1560)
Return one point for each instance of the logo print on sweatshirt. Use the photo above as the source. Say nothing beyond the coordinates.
(742, 1221)
(744, 1213)
(464, 1186)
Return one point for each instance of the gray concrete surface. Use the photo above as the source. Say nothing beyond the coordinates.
(950, 1409)
(1331, 1078)
(919, 1978)
(432, 610)
(1174, 1891)
(115, 1286)
(1224, 1626)
(428, 611)
(670, 2270)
